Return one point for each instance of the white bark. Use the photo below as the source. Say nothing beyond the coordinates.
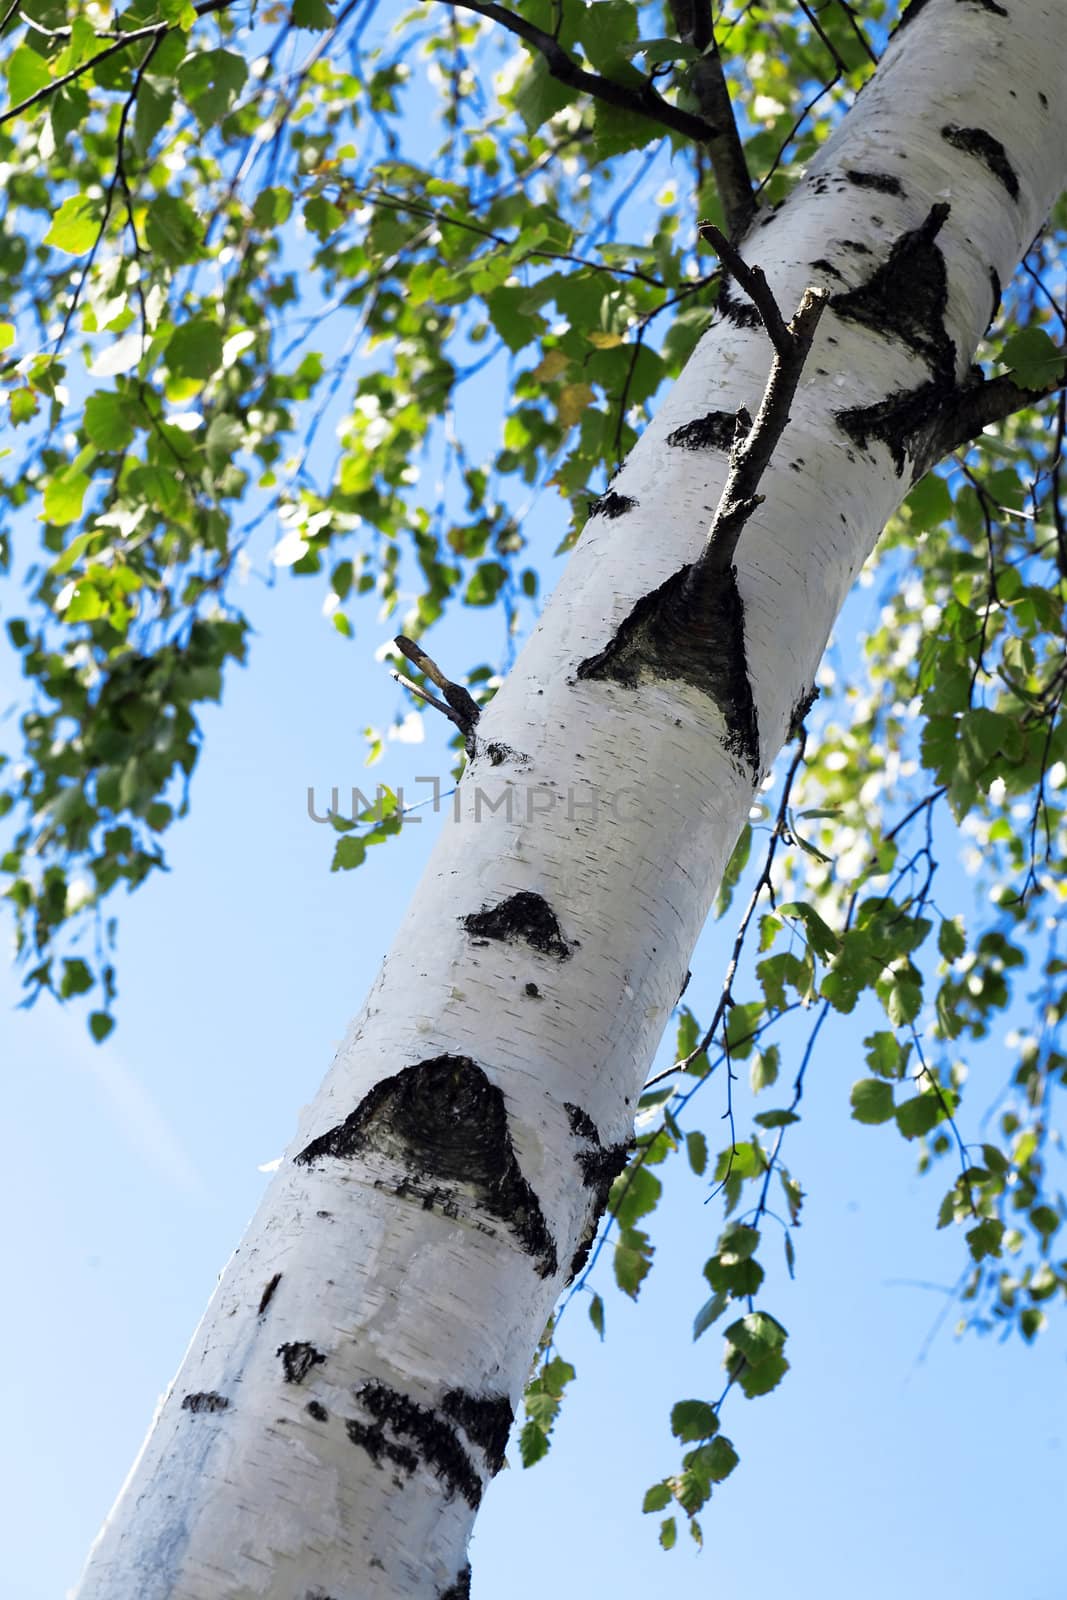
(328, 1438)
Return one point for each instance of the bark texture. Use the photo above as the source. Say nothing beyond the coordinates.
(349, 1392)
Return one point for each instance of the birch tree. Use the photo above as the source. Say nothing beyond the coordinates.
(826, 268)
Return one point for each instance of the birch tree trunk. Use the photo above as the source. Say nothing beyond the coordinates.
(349, 1391)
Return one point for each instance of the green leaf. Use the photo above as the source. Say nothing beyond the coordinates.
(710, 1312)
(718, 1459)
(63, 497)
(738, 1242)
(632, 1260)
(871, 1100)
(195, 349)
(951, 940)
(485, 584)
(918, 1115)
(822, 938)
(105, 421)
(533, 1444)
(756, 1336)
(210, 81)
(741, 1024)
(668, 1533)
(348, 852)
(77, 979)
(775, 1119)
(697, 1150)
(1034, 360)
(656, 1498)
(75, 225)
(314, 15)
(173, 231)
(764, 1069)
(761, 1379)
(692, 1420)
(885, 1055)
(153, 108)
(27, 72)
(100, 1025)
(985, 1238)
(596, 1314)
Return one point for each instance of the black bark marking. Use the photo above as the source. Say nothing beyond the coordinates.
(741, 312)
(900, 421)
(985, 5)
(800, 710)
(714, 431)
(533, 991)
(1043, 98)
(316, 1409)
(911, 11)
(581, 1122)
(372, 1439)
(486, 1419)
(907, 296)
(977, 142)
(995, 285)
(685, 984)
(523, 916)
(445, 1123)
(884, 182)
(611, 505)
(697, 636)
(857, 245)
(822, 265)
(298, 1360)
(599, 1166)
(205, 1401)
(499, 753)
(268, 1293)
(461, 1589)
(435, 1441)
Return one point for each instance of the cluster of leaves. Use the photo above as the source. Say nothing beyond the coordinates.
(223, 244)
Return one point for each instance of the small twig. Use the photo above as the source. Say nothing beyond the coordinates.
(424, 694)
(461, 707)
(752, 452)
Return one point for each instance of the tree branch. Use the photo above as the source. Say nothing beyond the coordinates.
(155, 31)
(694, 25)
(755, 442)
(975, 406)
(641, 99)
(461, 707)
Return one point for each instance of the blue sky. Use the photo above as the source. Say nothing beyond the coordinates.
(133, 1167)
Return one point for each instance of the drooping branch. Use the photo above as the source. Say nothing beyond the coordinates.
(642, 99)
(694, 25)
